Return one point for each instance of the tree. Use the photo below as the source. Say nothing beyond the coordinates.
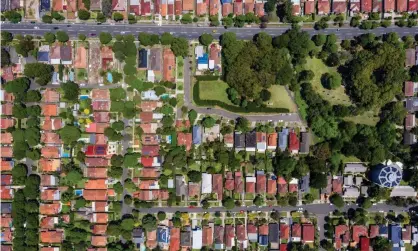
(331, 80)
(49, 37)
(62, 36)
(107, 8)
(208, 122)
(47, 19)
(80, 203)
(161, 216)
(194, 176)
(127, 199)
(101, 18)
(186, 19)
(132, 19)
(117, 16)
(83, 14)
(318, 180)
(105, 37)
(33, 96)
(180, 47)
(242, 124)
(73, 177)
(228, 203)
(394, 112)
(258, 201)
(293, 201)
(127, 223)
(265, 95)
(13, 16)
(337, 200)
(270, 5)
(381, 243)
(19, 111)
(71, 91)
(319, 39)
(206, 39)
(166, 38)
(131, 159)
(118, 188)
(5, 57)
(25, 46)
(6, 36)
(118, 125)
(42, 73)
(149, 222)
(19, 173)
(366, 203)
(192, 114)
(69, 134)
(115, 172)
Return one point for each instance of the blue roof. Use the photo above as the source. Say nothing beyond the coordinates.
(43, 56)
(283, 138)
(45, 4)
(226, 1)
(197, 134)
(163, 235)
(395, 234)
(204, 59)
(263, 240)
(383, 229)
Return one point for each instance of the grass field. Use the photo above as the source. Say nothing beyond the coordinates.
(367, 118)
(281, 99)
(214, 90)
(337, 96)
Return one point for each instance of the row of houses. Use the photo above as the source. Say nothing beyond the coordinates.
(158, 64)
(325, 7)
(360, 236)
(226, 237)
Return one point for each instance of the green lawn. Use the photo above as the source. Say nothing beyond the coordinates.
(281, 99)
(214, 90)
(337, 96)
(81, 74)
(367, 118)
(180, 64)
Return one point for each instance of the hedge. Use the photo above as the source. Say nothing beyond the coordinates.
(232, 108)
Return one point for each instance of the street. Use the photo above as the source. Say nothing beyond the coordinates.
(187, 31)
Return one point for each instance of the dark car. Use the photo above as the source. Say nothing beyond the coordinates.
(92, 34)
(68, 25)
(32, 22)
(56, 28)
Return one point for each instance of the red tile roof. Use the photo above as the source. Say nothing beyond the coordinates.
(101, 105)
(374, 231)
(241, 235)
(238, 8)
(188, 5)
(98, 241)
(309, 7)
(100, 94)
(377, 5)
(401, 5)
(6, 123)
(50, 209)
(145, 8)
(364, 244)
(263, 229)
(6, 193)
(366, 6)
(49, 165)
(51, 236)
(323, 7)
(249, 8)
(308, 233)
(213, 7)
(169, 64)
(6, 138)
(406, 233)
(359, 231)
(207, 239)
(284, 231)
(95, 194)
(96, 184)
(90, 162)
(217, 185)
(201, 9)
(337, 185)
(49, 110)
(50, 138)
(151, 151)
(184, 139)
(296, 230)
(50, 194)
(48, 222)
(194, 190)
(249, 187)
(178, 7)
(7, 109)
(101, 117)
(6, 179)
(412, 5)
(50, 124)
(239, 183)
(174, 239)
(259, 9)
(261, 183)
(389, 5)
(96, 172)
(149, 106)
(6, 165)
(339, 7)
(293, 142)
(409, 89)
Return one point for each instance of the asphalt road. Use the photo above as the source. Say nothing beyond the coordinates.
(317, 209)
(187, 31)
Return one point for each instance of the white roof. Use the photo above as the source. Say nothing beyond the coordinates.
(206, 183)
(294, 181)
(403, 191)
(355, 168)
(199, 51)
(197, 239)
(250, 179)
(149, 95)
(202, 66)
(211, 64)
(157, 116)
(352, 192)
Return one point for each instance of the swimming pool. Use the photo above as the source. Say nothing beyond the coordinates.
(78, 192)
(84, 97)
(65, 155)
(165, 96)
(109, 77)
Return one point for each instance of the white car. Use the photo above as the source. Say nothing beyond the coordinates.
(36, 28)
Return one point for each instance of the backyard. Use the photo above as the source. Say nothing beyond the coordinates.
(281, 99)
(337, 96)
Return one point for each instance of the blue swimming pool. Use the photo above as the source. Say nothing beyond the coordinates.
(109, 77)
(78, 192)
(65, 155)
(83, 97)
(165, 96)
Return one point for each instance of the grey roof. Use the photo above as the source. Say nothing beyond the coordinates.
(5, 5)
(219, 234)
(348, 180)
(363, 190)
(328, 189)
(239, 140)
(66, 53)
(143, 58)
(304, 183)
(137, 232)
(351, 192)
(29, 59)
(305, 142)
(412, 104)
(6, 207)
(197, 134)
(155, 57)
(181, 186)
(403, 191)
(274, 232)
(14, 57)
(251, 139)
(355, 168)
(185, 238)
(409, 138)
